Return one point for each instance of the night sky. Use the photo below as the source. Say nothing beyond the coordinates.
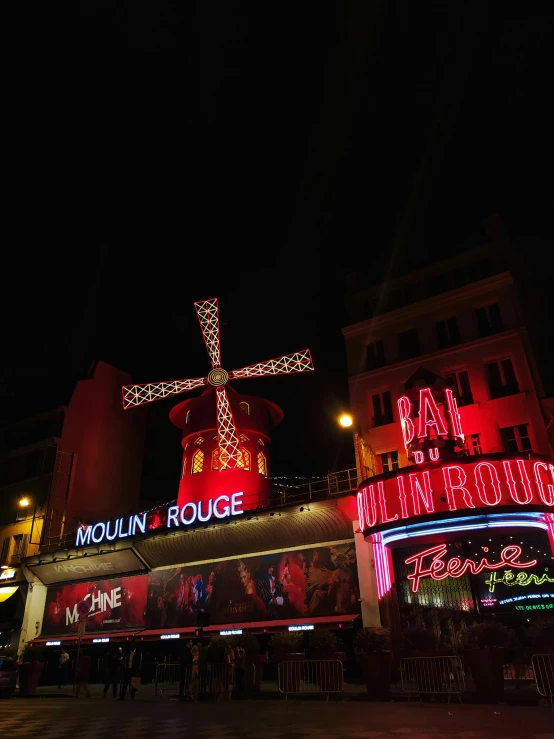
(256, 153)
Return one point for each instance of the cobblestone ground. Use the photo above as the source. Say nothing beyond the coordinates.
(61, 718)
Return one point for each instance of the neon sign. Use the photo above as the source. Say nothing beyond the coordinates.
(438, 568)
(7, 574)
(305, 627)
(230, 632)
(170, 636)
(531, 596)
(430, 423)
(522, 579)
(222, 507)
(102, 640)
(485, 483)
(52, 643)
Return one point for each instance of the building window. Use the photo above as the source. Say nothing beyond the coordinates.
(382, 408)
(262, 466)
(408, 344)
(459, 382)
(389, 461)
(184, 466)
(246, 460)
(19, 547)
(502, 378)
(197, 461)
(516, 439)
(472, 445)
(243, 438)
(199, 440)
(374, 355)
(448, 333)
(215, 459)
(5, 552)
(489, 320)
(261, 442)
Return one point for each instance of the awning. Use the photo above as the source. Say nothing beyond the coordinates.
(6, 593)
(87, 638)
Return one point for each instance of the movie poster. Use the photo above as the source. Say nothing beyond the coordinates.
(115, 604)
(321, 581)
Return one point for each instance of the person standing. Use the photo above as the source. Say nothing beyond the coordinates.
(112, 670)
(82, 674)
(131, 675)
(63, 667)
(240, 671)
(186, 668)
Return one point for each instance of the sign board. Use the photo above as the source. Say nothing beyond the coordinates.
(109, 564)
(102, 640)
(7, 574)
(82, 627)
(83, 608)
(170, 636)
(303, 627)
(230, 632)
(53, 643)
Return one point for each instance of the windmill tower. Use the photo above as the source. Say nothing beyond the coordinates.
(226, 435)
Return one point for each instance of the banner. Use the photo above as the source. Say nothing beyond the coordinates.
(314, 582)
(83, 568)
(114, 604)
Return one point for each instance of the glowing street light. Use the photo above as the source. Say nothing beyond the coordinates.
(24, 502)
(346, 420)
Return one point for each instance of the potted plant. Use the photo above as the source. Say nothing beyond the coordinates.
(287, 647)
(30, 667)
(485, 650)
(323, 647)
(374, 655)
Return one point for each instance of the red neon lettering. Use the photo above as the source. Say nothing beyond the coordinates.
(438, 569)
(546, 495)
(429, 414)
(407, 424)
(385, 518)
(402, 497)
(482, 486)
(419, 457)
(450, 487)
(524, 479)
(455, 419)
(425, 493)
(367, 508)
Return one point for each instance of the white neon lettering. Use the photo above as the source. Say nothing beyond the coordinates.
(98, 539)
(172, 513)
(208, 514)
(192, 519)
(83, 535)
(140, 524)
(236, 502)
(116, 532)
(226, 509)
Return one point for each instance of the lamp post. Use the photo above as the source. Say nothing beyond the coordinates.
(346, 421)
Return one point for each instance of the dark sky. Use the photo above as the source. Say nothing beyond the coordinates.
(255, 152)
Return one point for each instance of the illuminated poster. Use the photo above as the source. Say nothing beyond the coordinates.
(115, 604)
(301, 583)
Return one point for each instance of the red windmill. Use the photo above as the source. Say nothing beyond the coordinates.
(232, 451)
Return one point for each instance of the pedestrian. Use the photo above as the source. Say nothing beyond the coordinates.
(131, 673)
(112, 668)
(63, 667)
(240, 671)
(186, 668)
(82, 674)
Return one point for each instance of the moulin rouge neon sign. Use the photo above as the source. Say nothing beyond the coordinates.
(437, 568)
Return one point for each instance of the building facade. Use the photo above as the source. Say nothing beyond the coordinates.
(447, 394)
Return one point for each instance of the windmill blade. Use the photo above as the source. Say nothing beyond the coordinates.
(134, 395)
(230, 450)
(289, 364)
(208, 317)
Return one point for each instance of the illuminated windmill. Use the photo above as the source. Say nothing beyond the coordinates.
(232, 451)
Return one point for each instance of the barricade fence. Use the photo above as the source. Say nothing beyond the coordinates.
(442, 675)
(310, 676)
(214, 680)
(543, 667)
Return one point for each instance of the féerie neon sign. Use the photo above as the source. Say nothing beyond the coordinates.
(438, 568)
(523, 579)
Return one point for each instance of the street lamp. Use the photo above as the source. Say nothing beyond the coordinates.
(24, 502)
(346, 420)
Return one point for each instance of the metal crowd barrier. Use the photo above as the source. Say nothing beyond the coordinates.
(433, 676)
(168, 676)
(310, 676)
(543, 667)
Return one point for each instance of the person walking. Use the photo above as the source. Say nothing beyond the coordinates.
(131, 674)
(82, 674)
(63, 667)
(112, 666)
(240, 671)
